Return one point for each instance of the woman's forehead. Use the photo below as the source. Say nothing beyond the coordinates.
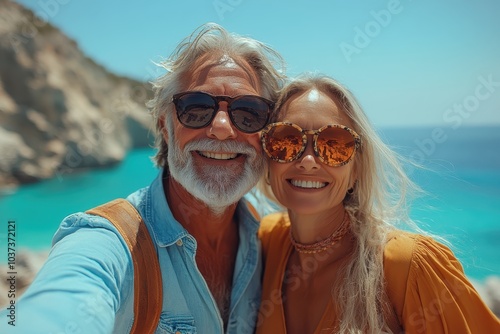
(316, 107)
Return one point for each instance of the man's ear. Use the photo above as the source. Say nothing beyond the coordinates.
(161, 125)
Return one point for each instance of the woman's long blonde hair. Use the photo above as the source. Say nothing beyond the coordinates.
(377, 204)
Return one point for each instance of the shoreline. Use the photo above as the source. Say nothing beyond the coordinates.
(28, 263)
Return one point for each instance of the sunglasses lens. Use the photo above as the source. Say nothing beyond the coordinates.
(335, 146)
(283, 143)
(249, 114)
(195, 110)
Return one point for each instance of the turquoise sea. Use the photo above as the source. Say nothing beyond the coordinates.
(462, 204)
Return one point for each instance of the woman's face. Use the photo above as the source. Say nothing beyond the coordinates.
(328, 185)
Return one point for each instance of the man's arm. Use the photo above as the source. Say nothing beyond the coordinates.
(80, 287)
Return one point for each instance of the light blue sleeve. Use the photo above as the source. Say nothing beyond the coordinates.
(81, 286)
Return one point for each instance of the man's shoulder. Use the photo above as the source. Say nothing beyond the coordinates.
(138, 197)
(84, 220)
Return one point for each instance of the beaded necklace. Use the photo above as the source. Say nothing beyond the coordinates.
(324, 244)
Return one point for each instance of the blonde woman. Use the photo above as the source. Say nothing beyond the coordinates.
(334, 262)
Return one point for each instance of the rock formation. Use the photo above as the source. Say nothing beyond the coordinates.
(59, 110)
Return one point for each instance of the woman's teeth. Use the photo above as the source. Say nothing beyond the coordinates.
(308, 184)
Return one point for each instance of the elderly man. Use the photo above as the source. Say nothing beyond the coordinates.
(210, 105)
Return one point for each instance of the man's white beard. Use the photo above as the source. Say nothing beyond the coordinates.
(216, 186)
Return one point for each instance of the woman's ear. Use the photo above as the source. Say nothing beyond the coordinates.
(353, 178)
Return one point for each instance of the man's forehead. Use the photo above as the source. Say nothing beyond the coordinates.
(227, 61)
(235, 66)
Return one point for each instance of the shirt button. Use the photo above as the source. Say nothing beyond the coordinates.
(179, 243)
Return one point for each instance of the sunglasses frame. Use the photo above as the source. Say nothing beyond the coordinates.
(222, 98)
(315, 133)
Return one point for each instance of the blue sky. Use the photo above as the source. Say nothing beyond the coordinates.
(409, 62)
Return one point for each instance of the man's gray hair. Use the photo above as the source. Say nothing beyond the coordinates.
(211, 39)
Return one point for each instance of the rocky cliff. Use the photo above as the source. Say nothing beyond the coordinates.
(59, 110)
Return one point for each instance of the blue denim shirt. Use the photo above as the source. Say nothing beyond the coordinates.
(86, 285)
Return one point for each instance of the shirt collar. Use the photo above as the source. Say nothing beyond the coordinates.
(166, 230)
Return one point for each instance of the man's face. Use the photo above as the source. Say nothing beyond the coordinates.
(217, 164)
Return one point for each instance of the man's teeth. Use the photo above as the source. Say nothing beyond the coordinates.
(308, 184)
(219, 156)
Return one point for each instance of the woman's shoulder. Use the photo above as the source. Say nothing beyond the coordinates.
(428, 288)
(404, 249)
(274, 223)
(399, 247)
(398, 253)
(275, 227)
(410, 258)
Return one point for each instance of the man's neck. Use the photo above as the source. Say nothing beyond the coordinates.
(216, 237)
(195, 216)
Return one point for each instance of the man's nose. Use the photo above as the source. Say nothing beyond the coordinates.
(221, 127)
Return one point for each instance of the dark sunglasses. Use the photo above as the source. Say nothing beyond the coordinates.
(248, 113)
(335, 145)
